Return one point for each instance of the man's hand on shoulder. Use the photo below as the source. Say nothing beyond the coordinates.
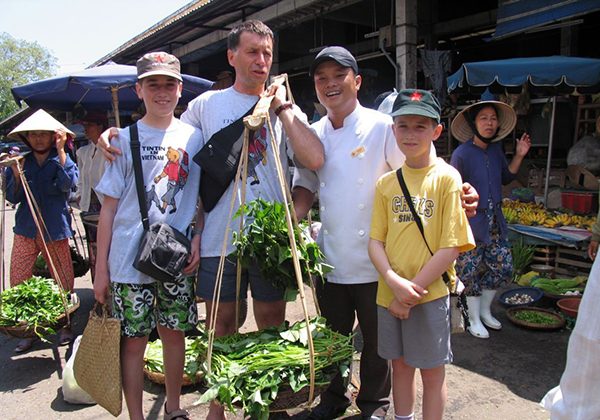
(104, 140)
(470, 199)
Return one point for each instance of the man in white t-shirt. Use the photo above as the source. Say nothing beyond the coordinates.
(250, 53)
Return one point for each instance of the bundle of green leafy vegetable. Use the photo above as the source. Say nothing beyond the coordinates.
(264, 240)
(522, 255)
(250, 369)
(37, 303)
(566, 286)
(195, 351)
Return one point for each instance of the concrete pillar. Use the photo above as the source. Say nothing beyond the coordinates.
(406, 43)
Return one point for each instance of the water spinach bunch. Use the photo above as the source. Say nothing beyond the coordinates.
(264, 241)
(37, 303)
(249, 370)
(195, 351)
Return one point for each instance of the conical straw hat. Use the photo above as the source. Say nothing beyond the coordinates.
(507, 119)
(38, 121)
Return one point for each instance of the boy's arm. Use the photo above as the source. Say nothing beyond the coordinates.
(404, 290)
(194, 258)
(399, 310)
(104, 238)
(436, 266)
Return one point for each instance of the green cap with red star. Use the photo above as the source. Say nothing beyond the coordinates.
(416, 102)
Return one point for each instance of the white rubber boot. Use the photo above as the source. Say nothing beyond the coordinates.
(475, 327)
(485, 312)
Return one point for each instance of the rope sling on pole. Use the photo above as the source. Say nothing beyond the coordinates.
(254, 122)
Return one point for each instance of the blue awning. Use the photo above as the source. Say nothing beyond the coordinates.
(516, 16)
(559, 74)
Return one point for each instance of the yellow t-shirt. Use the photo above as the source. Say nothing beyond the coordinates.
(435, 191)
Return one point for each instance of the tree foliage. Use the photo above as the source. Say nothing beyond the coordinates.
(21, 62)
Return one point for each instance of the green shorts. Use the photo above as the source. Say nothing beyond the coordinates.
(139, 306)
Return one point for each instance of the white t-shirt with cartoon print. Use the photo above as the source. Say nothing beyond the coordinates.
(171, 180)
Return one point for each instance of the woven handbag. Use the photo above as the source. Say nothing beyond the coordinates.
(97, 365)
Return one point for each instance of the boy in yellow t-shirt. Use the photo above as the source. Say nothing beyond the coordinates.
(412, 298)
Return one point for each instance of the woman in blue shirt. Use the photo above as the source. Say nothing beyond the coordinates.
(482, 163)
(50, 174)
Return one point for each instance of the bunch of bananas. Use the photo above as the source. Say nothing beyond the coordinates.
(510, 214)
(533, 217)
(532, 214)
(560, 219)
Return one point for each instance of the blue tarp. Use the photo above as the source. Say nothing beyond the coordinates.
(559, 72)
(517, 16)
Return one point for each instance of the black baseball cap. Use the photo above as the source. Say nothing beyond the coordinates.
(416, 102)
(338, 54)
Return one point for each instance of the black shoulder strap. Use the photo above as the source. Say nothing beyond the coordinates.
(139, 176)
(416, 217)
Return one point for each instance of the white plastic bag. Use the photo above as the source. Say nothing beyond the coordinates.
(72, 393)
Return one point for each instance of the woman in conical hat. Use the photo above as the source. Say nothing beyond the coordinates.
(482, 163)
(50, 174)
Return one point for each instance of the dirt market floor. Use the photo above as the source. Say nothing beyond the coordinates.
(503, 377)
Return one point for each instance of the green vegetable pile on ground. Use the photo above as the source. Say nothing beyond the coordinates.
(535, 317)
(37, 302)
(195, 352)
(251, 369)
(560, 286)
(265, 241)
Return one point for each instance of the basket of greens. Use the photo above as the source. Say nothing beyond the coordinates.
(269, 370)
(35, 308)
(194, 355)
(535, 318)
(265, 241)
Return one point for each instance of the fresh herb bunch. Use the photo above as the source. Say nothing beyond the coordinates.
(265, 240)
(195, 351)
(37, 302)
(522, 255)
(249, 369)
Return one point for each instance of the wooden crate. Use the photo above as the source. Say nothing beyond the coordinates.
(571, 261)
(544, 254)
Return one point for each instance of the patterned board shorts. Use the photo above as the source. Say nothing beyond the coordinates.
(140, 306)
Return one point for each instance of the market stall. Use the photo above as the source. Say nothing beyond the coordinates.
(547, 76)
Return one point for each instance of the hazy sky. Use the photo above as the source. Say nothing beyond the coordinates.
(78, 32)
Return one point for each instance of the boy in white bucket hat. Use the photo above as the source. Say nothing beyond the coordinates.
(51, 174)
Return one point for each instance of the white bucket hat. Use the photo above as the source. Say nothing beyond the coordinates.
(507, 119)
(38, 121)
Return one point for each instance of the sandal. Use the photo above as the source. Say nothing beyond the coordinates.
(176, 414)
(24, 345)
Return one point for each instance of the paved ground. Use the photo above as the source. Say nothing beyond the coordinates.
(500, 378)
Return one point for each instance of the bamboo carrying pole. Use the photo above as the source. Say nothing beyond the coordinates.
(259, 117)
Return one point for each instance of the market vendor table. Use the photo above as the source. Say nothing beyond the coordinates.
(565, 248)
(565, 236)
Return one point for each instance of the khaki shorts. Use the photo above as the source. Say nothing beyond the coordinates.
(140, 306)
